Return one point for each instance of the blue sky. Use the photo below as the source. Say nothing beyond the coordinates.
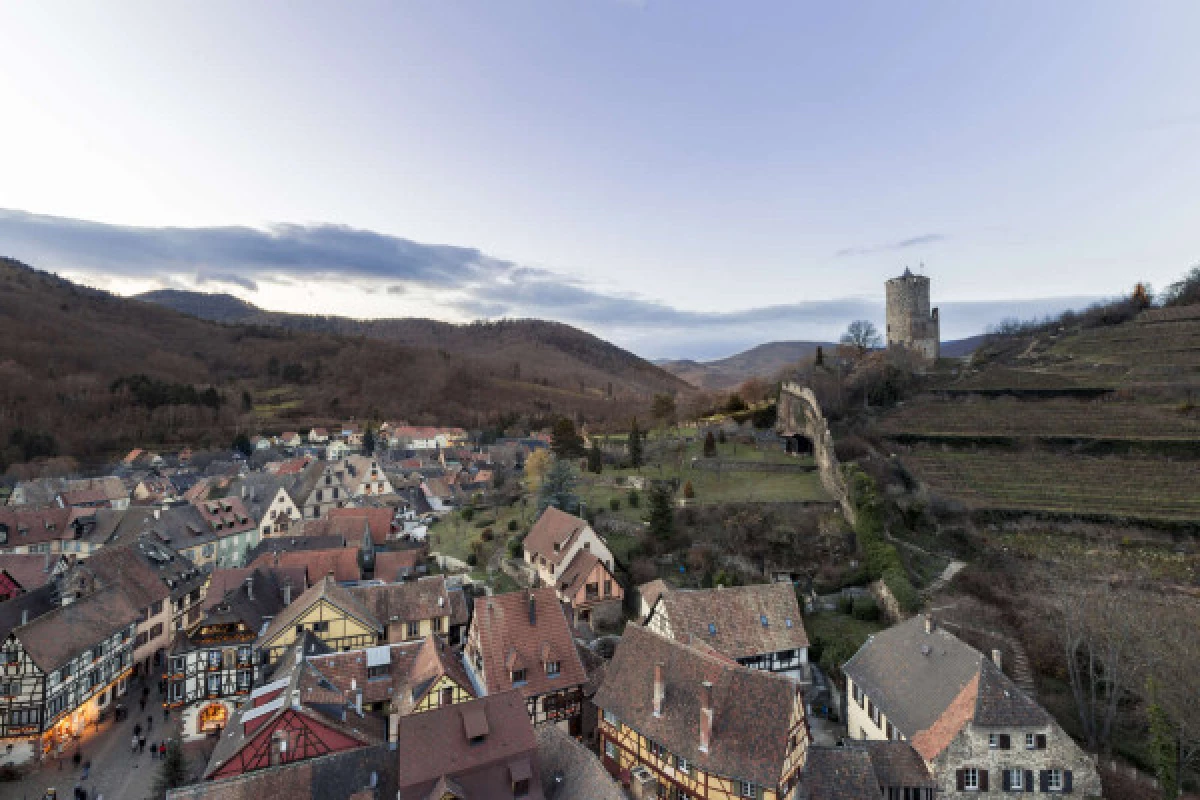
(685, 178)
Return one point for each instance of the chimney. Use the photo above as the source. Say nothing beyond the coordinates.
(532, 610)
(393, 727)
(250, 587)
(278, 748)
(660, 688)
(157, 514)
(706, 716)
(929, 623)
(24, 616)
(243, 491)
(998, 658)
(358, 701)
(287, 593)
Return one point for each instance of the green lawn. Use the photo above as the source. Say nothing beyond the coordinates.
(836, 637)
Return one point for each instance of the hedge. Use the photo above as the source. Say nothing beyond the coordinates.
(881, 557)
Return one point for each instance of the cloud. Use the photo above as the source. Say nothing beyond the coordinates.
(466, 282)
(903, 244)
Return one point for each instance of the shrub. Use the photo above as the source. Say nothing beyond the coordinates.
(614, 504)
(468, 514)
(487, 535)
(845, 604)
(635, 499)
(688, 491)
(512, 524)
(471, 560)
(865, 608)
(882, 559)
(515, 547)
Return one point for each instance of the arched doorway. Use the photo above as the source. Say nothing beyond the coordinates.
(212, 718)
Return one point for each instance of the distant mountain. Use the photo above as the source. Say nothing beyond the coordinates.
(86, 373)
(766, 360)
(530, 350)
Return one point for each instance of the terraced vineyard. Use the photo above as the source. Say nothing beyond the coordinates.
(1141, 488)
(1100, 419)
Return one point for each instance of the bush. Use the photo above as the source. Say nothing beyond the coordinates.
(688, 491)
(487, 535)
(512, 524)
(845, 604)
(471, 560)
(614, 504)
(882, 559)
(865, 608)
(515, 547)
(468, 514)
(635, 499)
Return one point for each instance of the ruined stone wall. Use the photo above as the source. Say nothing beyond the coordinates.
(800, 413)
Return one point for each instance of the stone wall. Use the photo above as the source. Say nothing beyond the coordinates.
(970, 749)
(800, 413)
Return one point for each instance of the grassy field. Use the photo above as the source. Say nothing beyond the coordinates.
(1146, 488)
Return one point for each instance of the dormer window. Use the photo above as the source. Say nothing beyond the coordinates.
(518, 677)
(552, 669)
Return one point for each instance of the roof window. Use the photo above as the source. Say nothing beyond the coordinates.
(712, 629)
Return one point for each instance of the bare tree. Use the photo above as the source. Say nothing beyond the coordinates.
(862, 336)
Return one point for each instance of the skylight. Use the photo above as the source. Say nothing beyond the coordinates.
(712, 629)
(763, 619)
(788, 622)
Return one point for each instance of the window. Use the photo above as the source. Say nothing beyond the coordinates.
(657, 750)
(858, 696)
(1014, 780)
(608, 587)
(552, 668)
(518, 676)
(156, 631)
(611, 719)
(243, 679)
(8, 689)
(970, 781)
(378, 671)
(447, 696)
(435, 624)
(321, 627)
(994, 741)
(521, 787)
(747, 789)
(176, 691)
(177, 663)
(1035, 741)
(156, 609)
(414, 629)
(214, 684)
(610, 748)
(682, 765)
(1054, 780)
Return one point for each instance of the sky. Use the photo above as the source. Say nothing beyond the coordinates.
(686, 178)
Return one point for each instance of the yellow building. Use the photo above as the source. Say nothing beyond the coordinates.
(697, 724)
(330, 613)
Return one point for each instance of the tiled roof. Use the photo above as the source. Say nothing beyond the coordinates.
(28, 569)
(228, 512)
(897, 764)
(54, 638)
(509, 632)
(460, 609)
(34, 525)
(282, 544)
(575, 574)
(746, 742)
(322, 589)
(228, 602)
(569, 770)
(340, 562)
(392, 565)
(652, 590)
(913, 676)
(934, 739)
(402, 602)
(31, 604)
(258, 491)
(125, 566)
(223, 580)
(378, 519)
(435, 747)
(730, 619)
(1001, 704)
(553, 527)
(838, 773)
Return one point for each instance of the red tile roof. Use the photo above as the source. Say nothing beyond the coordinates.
(934, 739)
(389, 564)
(35, 526)
(379, 520)
(526, 628)
(341, 562)
(553, 527)
(28, 569)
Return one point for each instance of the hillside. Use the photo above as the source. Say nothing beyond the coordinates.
(1094, 422)
(527, 350)
(766, 360)
(86, 373)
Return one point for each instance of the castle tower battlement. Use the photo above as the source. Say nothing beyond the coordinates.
(911, 323)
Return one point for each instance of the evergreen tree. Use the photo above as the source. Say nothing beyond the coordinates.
(566, 443)
(710, 445)
(369, 440)
(558, 488)
(1162, 746)
(172, 771)
(721, 436)
(635, 445)
(242, 444)
(595, 458)
(660, 515)
(820, 359)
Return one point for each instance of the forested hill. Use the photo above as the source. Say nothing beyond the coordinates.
(86, 373)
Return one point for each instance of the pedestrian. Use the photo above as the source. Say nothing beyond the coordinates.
(149, 722)
(166, 711)
(133, 744)
(153, 751)
(137, 729)
(87, 769)
(141, 744)
(162, 750)
(143, 701)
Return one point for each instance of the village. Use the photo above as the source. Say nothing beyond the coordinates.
(322, 612)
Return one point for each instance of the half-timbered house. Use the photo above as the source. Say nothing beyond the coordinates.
(331, 613)
(22, 684)
(521, 640)
(758, 626)
(698, 724)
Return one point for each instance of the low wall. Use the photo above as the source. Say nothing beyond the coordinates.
(726, 465)
(800, 413)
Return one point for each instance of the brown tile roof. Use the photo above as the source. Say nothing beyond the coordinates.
(652, 590)
(898, 765)
(340, 562)
(838, 773)
(509, 634)
(350, 529)
(746, 742)
(460, 610)
(28, 569)
(392, 565)
(56, 637)
(30, 605)
(229, 512)
(323, 589)
(913, 676)
(730, 619)
(434, 748)
(934, 739)
(223, 580)
(402, 602)
(575, 574)
(34, 525)
(378, 519)
(141, 568)
(553, 527)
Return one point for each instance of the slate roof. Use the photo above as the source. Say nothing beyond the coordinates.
(1001, 704)
(508, 635)
(223, 580)
(736, 616)
(402, 602)
(913, 676)
(838, 773)
(897, 764)
(261, 489)
(323, 589)
(746, 742)
(54, 638)
(228, 512)
(36, 602)
(569, 770)
(274, 544)
(434, 748)
(553, 527)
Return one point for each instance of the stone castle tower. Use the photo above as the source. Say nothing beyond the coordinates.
(910, 321)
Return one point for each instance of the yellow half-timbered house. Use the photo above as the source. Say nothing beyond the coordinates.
(330, 613)
(700, 724)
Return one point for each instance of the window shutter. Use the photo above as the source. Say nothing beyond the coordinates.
(983, 780)
(1066, 781)
(1029, 780)
(1044, 780)
(959, 776)
(1041, 741)
(1005, 781)
(1005, 741)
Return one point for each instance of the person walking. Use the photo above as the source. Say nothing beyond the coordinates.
(137, 729)
(150, 722)
(133, 744)
(142, 743)
(162, 750)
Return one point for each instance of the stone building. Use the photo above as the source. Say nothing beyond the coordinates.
(910, 321)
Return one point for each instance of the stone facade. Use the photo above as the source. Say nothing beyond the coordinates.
(910, 321)
(972, 748)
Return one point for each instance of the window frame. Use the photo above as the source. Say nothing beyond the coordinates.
(971, 779)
